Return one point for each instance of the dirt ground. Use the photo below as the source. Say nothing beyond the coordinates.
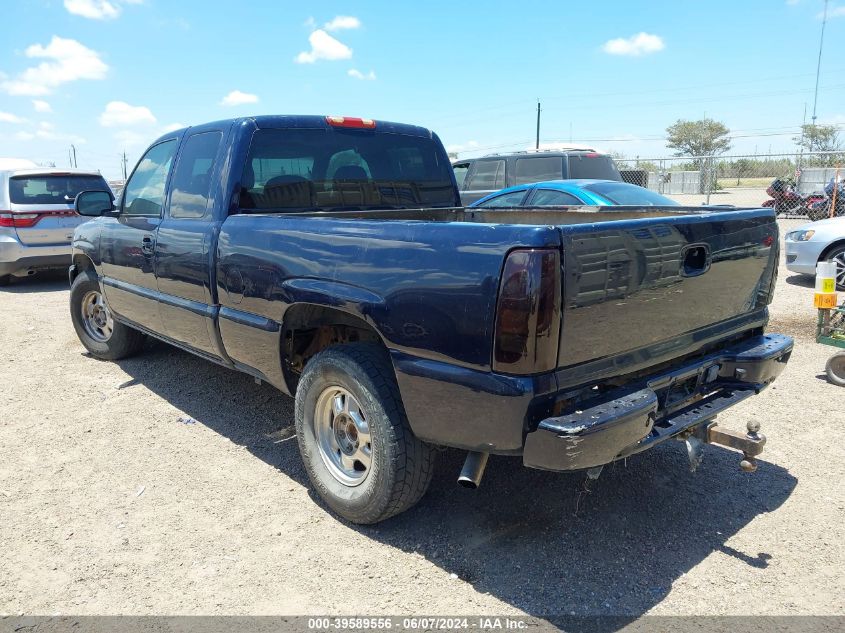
(164, 484)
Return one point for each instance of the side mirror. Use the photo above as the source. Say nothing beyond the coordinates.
(93, 203)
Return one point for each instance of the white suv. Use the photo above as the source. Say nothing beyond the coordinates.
(37, 217)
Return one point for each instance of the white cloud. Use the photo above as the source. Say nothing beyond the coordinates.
(236, 98)
(97, 9)
(457, 148)
(119, 113)
(636, 45)
(41, 106)
(92, 9)
(835, 11)
(354, 72)
(323, 46)
(341, 22)
(68, 60)
(24, 136)
(8, 117)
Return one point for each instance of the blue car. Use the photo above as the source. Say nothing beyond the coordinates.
(573, 192)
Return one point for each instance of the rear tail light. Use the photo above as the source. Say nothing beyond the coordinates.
(351, 121)
(528, 313)
(28, 220)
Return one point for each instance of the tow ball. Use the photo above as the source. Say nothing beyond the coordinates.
(750, 443)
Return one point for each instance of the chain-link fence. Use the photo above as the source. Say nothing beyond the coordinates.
(741, 181)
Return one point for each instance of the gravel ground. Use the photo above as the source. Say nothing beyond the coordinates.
(164, 484)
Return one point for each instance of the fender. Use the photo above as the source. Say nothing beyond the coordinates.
(356, 301)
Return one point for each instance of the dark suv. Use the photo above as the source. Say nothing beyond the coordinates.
(478, 177)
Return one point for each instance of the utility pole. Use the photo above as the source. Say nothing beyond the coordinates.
(537, 145)
(123, 163)
(818, 69)
(73, 149)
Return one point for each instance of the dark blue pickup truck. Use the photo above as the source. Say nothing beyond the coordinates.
(330, 257)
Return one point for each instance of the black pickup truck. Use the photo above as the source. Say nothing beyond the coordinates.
(329, 256)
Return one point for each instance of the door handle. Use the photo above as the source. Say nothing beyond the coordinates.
(147, 244)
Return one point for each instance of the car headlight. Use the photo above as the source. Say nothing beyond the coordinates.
(800, 236)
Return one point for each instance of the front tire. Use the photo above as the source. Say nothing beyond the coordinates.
(354, 437)
(101, 335)
(837, 255)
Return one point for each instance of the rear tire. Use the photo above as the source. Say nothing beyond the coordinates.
(354, 437)
(835, 369)
(101, 335)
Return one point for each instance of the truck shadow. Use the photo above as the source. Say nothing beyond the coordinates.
(545, 543)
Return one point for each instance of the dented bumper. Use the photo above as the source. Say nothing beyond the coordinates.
(656, 408)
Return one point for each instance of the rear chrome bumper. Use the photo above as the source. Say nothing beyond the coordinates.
(660, 407)
(18, 259)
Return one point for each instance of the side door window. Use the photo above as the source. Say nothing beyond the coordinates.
(487, 175)
(144, 193)
(193, 175)
(512, 199)
(552, 198)
(537, 169)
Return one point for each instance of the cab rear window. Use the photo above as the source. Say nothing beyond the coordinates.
(52, 189)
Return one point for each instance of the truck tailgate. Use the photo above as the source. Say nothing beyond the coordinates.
(630, 284)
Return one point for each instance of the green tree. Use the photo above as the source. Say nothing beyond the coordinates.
(742, 167)
(698, 138)
(819, 138)
(705, 137)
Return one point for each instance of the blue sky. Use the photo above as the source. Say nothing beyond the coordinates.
(111, 75)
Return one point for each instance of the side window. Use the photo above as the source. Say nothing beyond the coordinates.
(460, 170)
(537, 169)
(549, 197)
(512, 199)
(488, 174)
(192, 177)
(144, 193)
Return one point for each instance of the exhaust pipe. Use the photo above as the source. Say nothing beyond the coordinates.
(473, 470)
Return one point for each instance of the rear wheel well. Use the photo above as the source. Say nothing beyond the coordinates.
(309, 329)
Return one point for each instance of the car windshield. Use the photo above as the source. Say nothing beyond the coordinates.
(317, 169)
(52, 189)
(623, 193)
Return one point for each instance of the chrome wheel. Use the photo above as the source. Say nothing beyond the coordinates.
(343, 436)
(96, 318)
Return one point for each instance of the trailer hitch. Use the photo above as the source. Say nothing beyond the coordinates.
(750, 443)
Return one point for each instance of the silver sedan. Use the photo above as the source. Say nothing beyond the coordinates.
(816, 242)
